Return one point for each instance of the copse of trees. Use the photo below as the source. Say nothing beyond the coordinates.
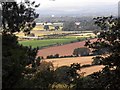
(69, 26)
(83, 25)
(81, 51)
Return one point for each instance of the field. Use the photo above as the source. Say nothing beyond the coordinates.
(44, 32)
(63, 50)
(50, 39)
(82, 60)
(46, 42)
(41, 27)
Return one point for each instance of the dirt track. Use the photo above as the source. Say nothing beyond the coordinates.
(63, 50)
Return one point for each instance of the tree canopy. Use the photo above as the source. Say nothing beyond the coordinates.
(15, 57)
(109, 38)
(18, 17)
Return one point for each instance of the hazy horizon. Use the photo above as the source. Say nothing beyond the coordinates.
(77, 7)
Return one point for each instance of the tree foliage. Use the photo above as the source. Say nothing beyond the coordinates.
(18, 17)
(81, 51)
(109, 38)
(46, 27)
(57, 27)
(67, 74)
(15, 57)
(69, 26)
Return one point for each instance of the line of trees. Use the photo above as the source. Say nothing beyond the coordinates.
(84, 25)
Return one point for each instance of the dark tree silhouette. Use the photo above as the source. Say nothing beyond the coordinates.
(46, 27)
(57, 27)
(109, 38)
(16, 18)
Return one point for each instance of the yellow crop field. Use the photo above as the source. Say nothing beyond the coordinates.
(40, 27)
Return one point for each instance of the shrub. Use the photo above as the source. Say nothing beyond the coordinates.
(50, 56)
(56, 56)
(44, 77)
(81, 52)
(86, 65)
(31, 35)
(53, 56)
(97, 60)
(67, 74)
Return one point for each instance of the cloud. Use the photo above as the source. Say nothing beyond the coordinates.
(76, 6)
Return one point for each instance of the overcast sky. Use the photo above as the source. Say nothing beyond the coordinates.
(73, 6)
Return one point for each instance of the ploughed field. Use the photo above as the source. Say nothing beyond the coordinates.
(82, 60)
(63, 50)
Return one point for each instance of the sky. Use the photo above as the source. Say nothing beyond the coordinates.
(74, 7)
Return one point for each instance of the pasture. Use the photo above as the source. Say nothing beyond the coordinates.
(46, 42)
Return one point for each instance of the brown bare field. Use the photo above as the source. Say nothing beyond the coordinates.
(63, 50)
(82, 60)
(90, 70)
(68, 61)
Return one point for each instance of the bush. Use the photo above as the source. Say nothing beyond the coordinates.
(97, 60)
(86, 82)
(86, 65)
(53, 56)
(66, 56)
(81, 52)
(56, 56)
(31, 35)
(50, 56)
(67, 74)
(101, 51)
(42, 77)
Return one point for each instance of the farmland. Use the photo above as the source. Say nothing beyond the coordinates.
(63, 50)
(50, 38)
(41, 27)
(82, 60)
(62, 43)
(43, 32)
(68, 46)
(46, 42)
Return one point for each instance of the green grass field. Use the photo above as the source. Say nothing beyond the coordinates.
(46, 42)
